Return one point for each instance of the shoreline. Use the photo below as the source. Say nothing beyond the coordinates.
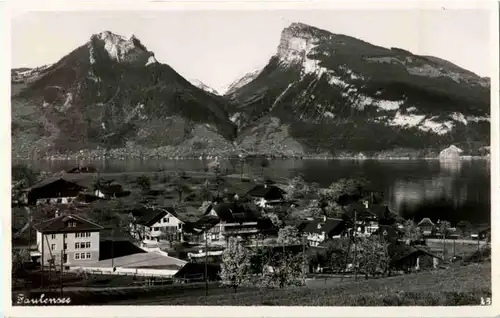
(304, 157)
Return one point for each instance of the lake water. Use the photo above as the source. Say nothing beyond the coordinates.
(413, 188)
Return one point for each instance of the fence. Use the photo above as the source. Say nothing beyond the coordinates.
(168, 273)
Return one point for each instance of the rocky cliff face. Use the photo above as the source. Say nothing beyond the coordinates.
(325, 92)
(112, 93)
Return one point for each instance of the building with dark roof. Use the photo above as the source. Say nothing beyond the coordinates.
(427, 227)
(407, 258)
(83, 169)
(71, 237)
(321, 229)
(57, 190)
(151, 224)
(263, 193)
(231, 219)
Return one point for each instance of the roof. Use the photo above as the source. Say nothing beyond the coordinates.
(401, 251)
(84, 169)
(205, 222)
(330, 226)
(262, 191)
(149, 216)
(389, 232)
(237, 212)
(425, 221)
(196, 269)
(142, 260)
(84, 181)
(59, 225)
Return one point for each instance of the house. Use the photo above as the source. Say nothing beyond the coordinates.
(195, 272)
(264, 193)
(427, 227)
(57, 190)
(234, 219)
(74, 238)
(482, 233)
(408, 258)
(83, 169)
(155, 224)
(321, 229)
(109, 189)
(389, 233)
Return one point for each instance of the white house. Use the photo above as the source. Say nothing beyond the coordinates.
(154, 224)
(71, 237)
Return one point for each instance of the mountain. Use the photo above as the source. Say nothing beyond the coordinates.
(331, 93)
(112, 95)
(247, 78)
(203, 86)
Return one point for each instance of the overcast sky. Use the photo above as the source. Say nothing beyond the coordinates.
(217, 47)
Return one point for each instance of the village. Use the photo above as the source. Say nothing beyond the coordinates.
(82, 229)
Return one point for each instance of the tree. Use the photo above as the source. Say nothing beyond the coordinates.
(274, 219)
(235, 265)
(297, 188)
(373, 257)
(24, 175)
(337, 253)
(287, 270)
(412, 232)
(144, 183)
(444, 228)
(263, 163)
(288, 235)
(19, 258)
(465, 228)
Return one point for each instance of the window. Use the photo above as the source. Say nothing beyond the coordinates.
(77, 234)
(155, 229)
(82, 256)
(77, 245)
(180, 225)
(53, 247)
(82, 245)
(53, 236)
(88, 255)
(77, 255)
(167, 220)
(164, 220)
(87, 234)
(87, 244)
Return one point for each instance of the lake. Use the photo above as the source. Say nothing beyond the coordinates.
(450, 191)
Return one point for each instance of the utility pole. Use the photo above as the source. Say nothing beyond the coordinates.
(304, 258)
(206, 261)
(355, 247)
(43, 260)
(62, 269)
(112, 249)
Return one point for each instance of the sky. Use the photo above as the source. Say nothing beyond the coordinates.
(218, 47)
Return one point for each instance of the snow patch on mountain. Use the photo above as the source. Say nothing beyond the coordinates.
(151, 60)
(278, 99)
(422, 123)
(120, 48)
(203, 86)
(247, 78)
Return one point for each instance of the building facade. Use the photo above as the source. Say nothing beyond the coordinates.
(71, 238)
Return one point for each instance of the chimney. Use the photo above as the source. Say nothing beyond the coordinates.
(265, 185)
(324, 218)
(366, 204)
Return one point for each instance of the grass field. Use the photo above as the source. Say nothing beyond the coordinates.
(456, 286)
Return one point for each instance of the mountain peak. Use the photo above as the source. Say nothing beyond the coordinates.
(297, 40)
(119, 48)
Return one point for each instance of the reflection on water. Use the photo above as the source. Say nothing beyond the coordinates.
(413, 188)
